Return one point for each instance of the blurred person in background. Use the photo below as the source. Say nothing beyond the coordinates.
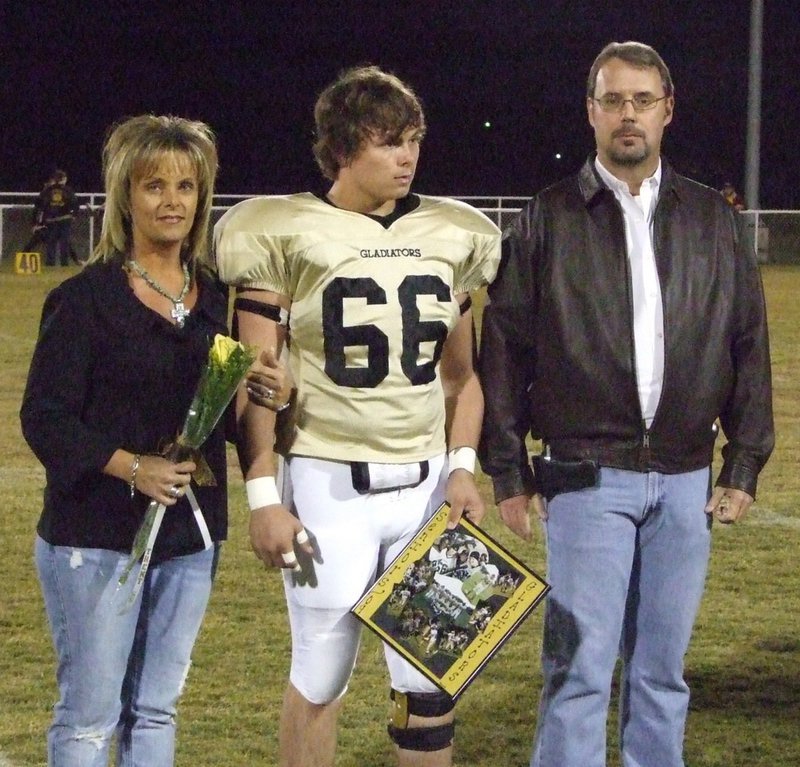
(38, 228)
(732, 197)
(56, 208)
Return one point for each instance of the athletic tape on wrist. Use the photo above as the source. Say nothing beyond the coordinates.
(461, 458)
(261, 491)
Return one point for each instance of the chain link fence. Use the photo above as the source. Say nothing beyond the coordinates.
(774, 235)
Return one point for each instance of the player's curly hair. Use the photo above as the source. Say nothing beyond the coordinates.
(362, 102)
(637, 55)
(135, 147)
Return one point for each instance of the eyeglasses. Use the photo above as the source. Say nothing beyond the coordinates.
(641, 102)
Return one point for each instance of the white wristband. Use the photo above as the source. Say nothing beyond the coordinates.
(461, 458)
(261, 491)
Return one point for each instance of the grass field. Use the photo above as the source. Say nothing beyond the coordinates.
(743, 667)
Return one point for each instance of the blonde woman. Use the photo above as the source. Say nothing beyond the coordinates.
(120, 350)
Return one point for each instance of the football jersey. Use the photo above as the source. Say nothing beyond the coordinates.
(371, 308)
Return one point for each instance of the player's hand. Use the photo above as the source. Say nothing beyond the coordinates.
(463, 496)
(728, 505)
(514, 513)
(162, 480)
(275, 533)
(269, 381)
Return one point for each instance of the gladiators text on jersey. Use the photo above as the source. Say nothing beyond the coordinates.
(392, 253)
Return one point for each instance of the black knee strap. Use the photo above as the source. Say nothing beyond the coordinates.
(425, 705)
(422, 703)
(423, 738)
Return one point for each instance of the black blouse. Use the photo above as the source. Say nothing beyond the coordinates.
(110, 373)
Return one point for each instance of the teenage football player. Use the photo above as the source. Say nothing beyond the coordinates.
(370, 286)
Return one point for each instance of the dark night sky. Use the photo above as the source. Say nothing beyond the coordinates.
(252, 70)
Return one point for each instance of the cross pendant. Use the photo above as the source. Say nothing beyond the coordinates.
(180, 313)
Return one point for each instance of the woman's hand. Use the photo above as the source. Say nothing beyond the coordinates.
(162, 480)
(269, 382)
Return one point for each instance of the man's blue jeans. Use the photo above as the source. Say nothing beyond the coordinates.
(627, 562)
(119, 673)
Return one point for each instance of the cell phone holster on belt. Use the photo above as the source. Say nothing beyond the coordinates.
(552, 477)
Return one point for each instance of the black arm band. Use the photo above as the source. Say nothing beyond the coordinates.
(269, 311)
(466, 306)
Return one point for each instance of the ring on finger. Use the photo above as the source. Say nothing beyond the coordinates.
(175, 491)
(269, 393)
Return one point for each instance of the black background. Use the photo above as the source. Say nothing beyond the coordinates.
(252, 70)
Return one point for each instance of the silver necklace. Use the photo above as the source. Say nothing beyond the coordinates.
(179, 311)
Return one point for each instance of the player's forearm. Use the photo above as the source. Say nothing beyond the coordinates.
(464, 414)
(463, 397)
(255, 428)
(256, 424)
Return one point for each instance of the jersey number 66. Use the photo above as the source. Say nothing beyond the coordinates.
(337, 336)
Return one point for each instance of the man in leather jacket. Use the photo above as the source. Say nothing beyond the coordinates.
(627, 318)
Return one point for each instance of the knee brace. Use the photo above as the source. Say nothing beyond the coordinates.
(423, 705)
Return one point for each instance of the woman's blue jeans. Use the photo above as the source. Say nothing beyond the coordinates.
(119, 673)
(627, 562)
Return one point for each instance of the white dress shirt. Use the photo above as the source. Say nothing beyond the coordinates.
(648, 310)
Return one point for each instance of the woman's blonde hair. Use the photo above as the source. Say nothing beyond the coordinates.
(135, 147)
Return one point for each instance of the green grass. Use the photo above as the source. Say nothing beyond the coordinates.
(743, 666)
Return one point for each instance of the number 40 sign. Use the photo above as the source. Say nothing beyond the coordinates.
(28, 263)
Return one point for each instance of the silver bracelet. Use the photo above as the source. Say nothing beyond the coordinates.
(134, 468)
(288, 403)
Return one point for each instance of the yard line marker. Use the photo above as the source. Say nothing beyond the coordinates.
(14, 473)
(16, 340)
(769, 518)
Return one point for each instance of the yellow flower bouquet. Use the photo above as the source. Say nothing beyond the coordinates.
(228, 362)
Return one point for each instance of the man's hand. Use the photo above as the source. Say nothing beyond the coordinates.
(514, 513)
(728, 505)
(463, 496)
(274, 533)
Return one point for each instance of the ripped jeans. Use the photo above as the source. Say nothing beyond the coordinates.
(119, 674)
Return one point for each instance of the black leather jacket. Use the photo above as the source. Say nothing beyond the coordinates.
(557, 349)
